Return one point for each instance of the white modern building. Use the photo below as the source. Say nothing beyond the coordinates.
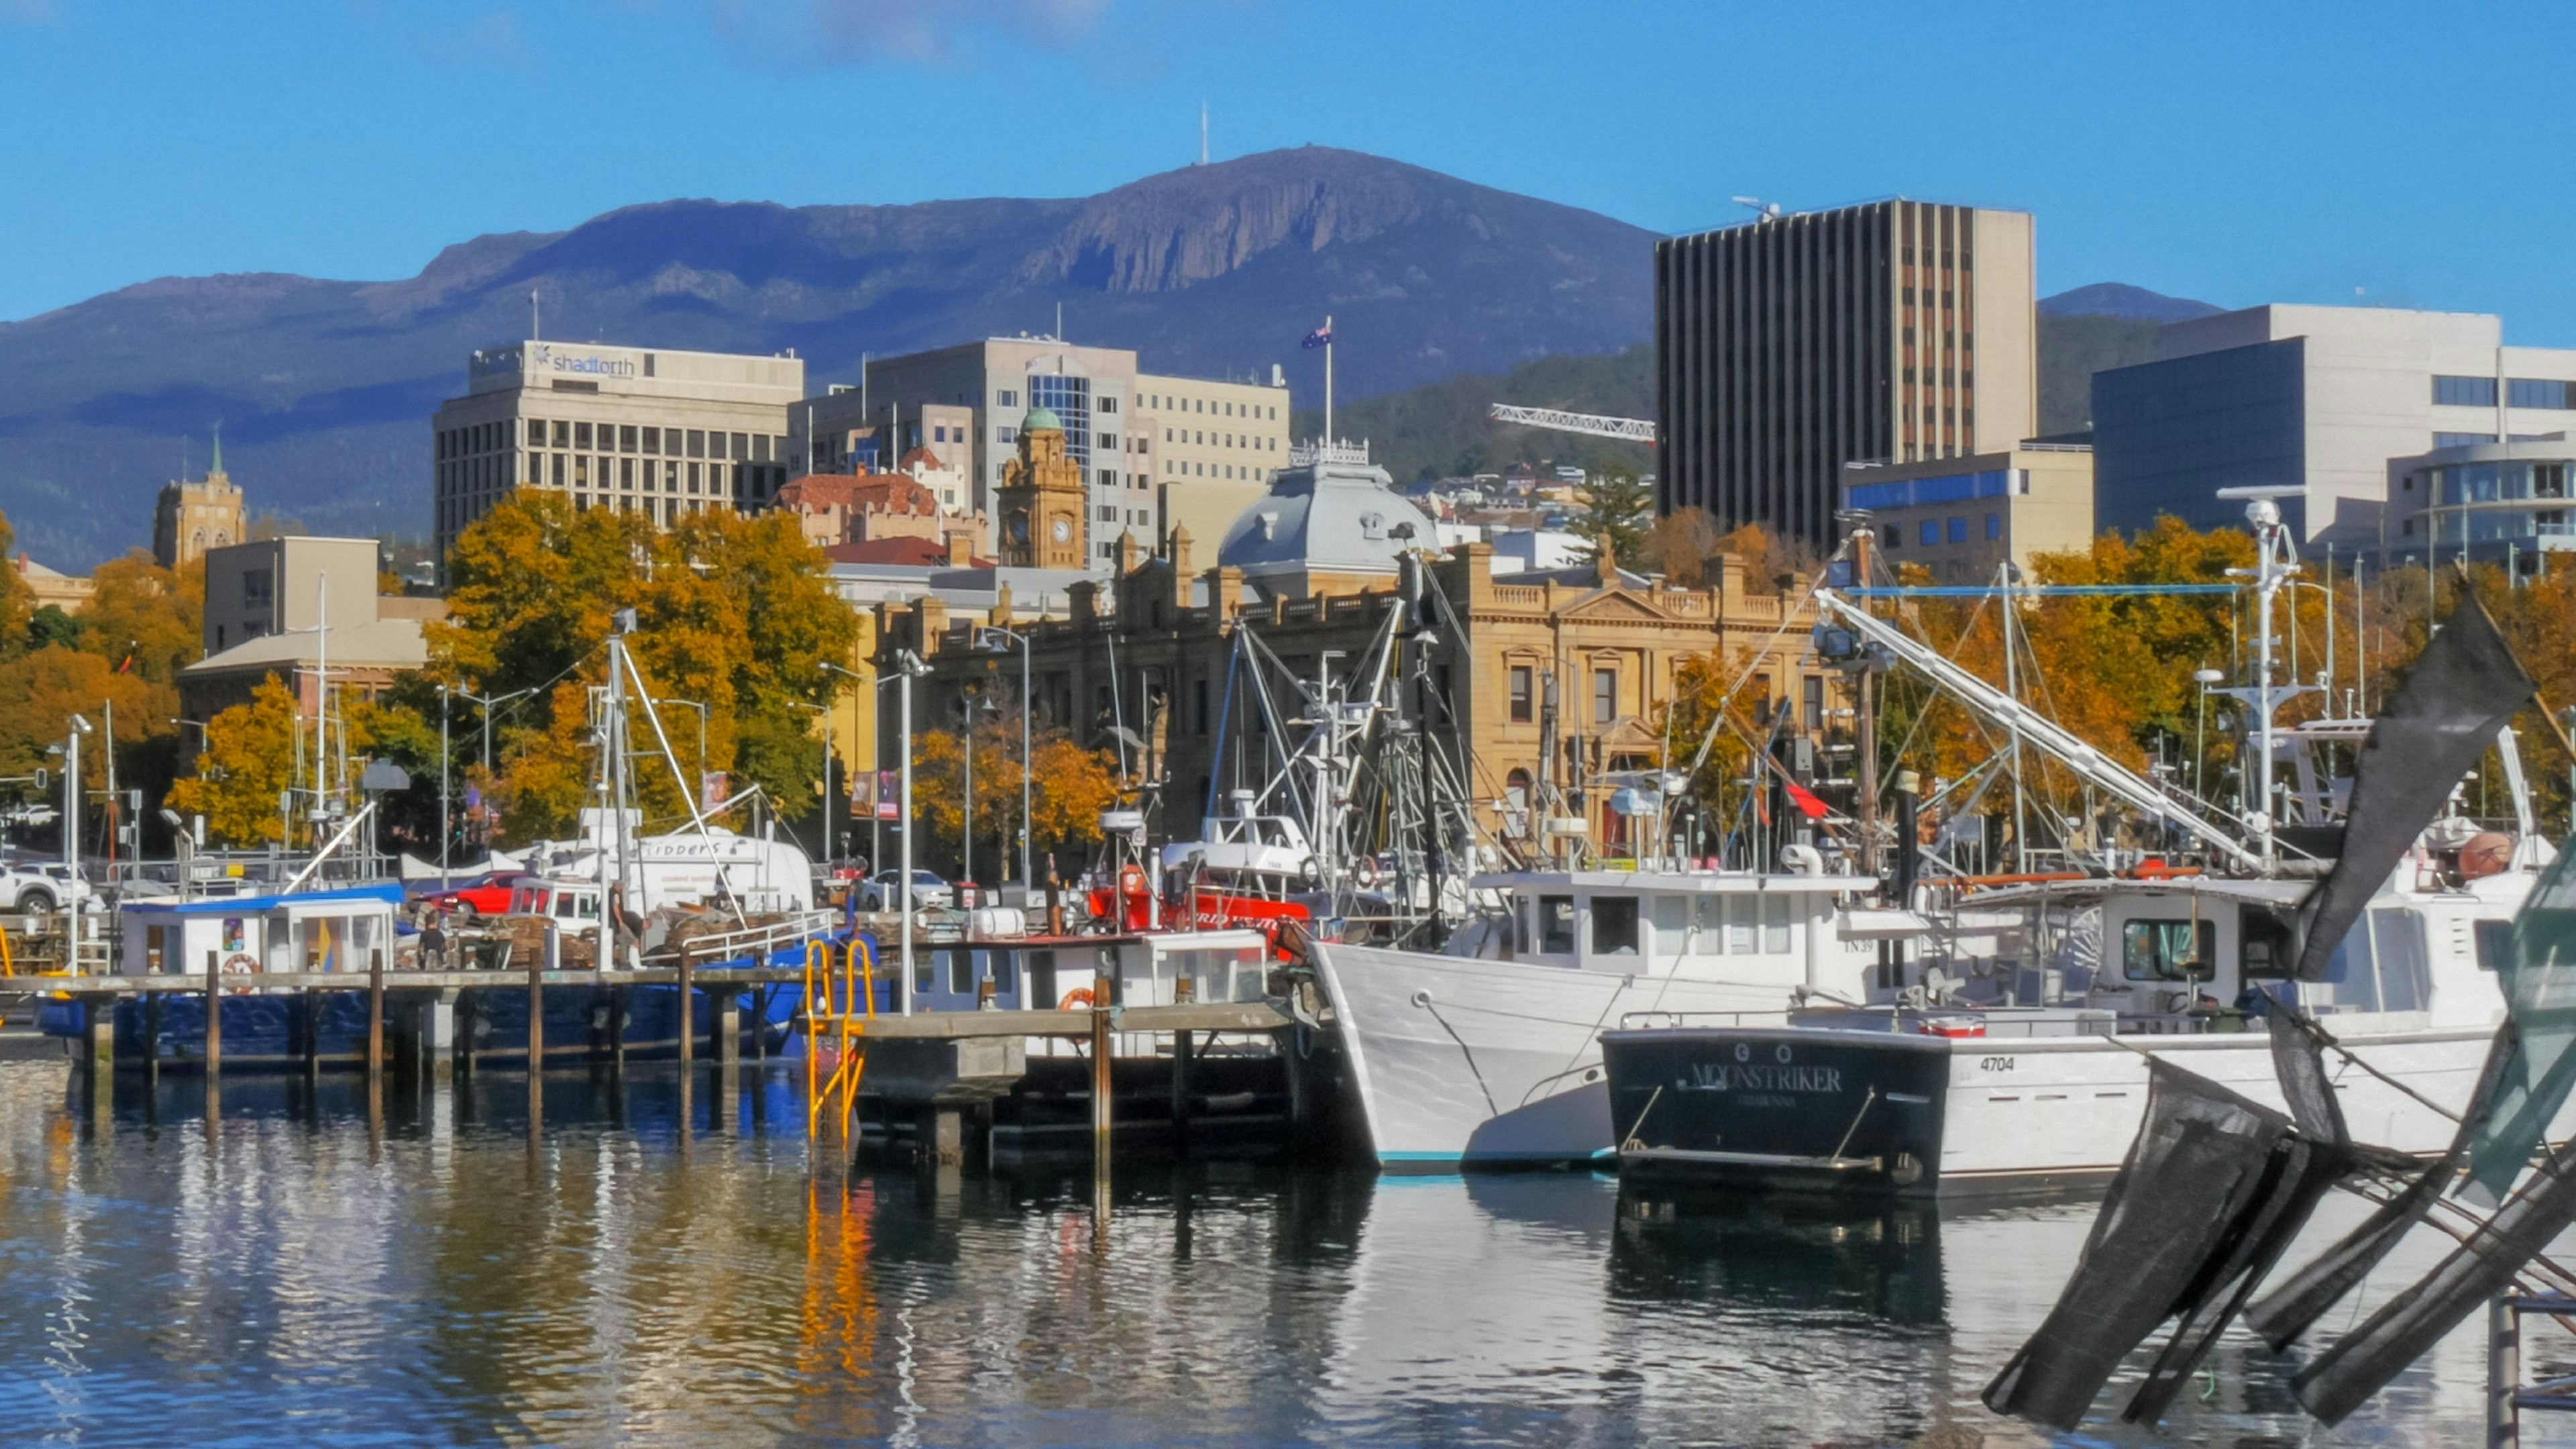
(1147, 442)
(2316, 398)
(636, 429)
(2501, 503)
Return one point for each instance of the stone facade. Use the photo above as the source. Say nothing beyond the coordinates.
(1611, 643)
(1041, 501)
(190, 518)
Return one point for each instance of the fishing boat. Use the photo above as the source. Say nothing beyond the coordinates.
(2016, 1056)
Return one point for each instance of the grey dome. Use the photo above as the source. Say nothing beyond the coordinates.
(1330, 517)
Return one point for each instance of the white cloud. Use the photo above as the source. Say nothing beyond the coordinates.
(928, 32)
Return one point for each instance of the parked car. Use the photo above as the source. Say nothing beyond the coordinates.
(884, 892)
(483, 895)
(43, 885)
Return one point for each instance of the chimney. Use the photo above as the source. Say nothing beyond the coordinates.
(1180, 550)
(961, 549)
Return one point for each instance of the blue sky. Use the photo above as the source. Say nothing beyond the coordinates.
(2238, 153)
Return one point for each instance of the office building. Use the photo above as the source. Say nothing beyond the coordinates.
(2487, 502)
(2313, 399)
(286, 607)
(636, 429)
(1141, 439)
(1790, 346)
(1962, 517)
(190, 518)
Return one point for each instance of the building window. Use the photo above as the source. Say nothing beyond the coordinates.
(2541, 392)
(625, 440)
(1930, 533)
(2465, 392)
(1522, 679)
(1958, 530)
(1605, 695)
(1894, 537)
(1006, 398)
(2461, 440)
(1994, 527)
(581, 435)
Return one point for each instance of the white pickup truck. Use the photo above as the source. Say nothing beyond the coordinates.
(40, 885)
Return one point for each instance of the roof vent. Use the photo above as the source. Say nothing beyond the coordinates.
(1269, 524)
(1373, 525)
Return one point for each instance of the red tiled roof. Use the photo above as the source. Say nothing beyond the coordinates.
(891, 492)
(931, 552)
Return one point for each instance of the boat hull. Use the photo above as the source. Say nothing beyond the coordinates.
(1462, 1062)
(1883, 1112)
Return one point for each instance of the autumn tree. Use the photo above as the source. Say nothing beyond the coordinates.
(1681, 546)
(248, 762)
(1070, 787)
(733, 612)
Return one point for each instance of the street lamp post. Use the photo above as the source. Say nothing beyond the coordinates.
(446, 822)
(910, 666)
(876, 847)
(489, 703)
(2200, 735)
(998, 639)
(827, 781)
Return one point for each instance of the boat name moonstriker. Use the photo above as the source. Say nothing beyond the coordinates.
(1760, 1077)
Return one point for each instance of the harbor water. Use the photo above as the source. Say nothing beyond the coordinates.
(660, 1266)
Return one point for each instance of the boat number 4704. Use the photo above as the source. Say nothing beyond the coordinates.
(1995, 1064)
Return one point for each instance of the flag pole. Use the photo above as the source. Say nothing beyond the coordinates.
(1328, 378)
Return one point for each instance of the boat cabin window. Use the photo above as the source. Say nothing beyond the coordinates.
(1708, 932)
(961, 972)
(2168, 950)
(1556, 925)
(1740, 913)
(2397, 938)
(925, 972)
(2494, 939)
(1614, 925)
(1775, 925)
(2266, 948)
(1672, 925)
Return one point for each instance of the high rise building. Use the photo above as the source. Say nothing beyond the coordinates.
(636, 429)
(2316, 400)
(1144, 441)
(190, 518)
(1792, 345)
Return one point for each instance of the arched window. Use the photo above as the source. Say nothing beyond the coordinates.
(1516, 804)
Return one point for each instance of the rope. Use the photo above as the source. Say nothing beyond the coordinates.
(1466, 1051)
(1628, 1138)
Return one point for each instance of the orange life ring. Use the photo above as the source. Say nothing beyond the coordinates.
(1131, 882)
(1078, 996)
(240, 963)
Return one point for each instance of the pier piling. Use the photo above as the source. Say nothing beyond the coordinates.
(726, 1007)
(688, 1013)
(537, 1001)
(376, 1017)
(214, 1022)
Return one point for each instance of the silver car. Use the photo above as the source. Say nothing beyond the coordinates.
(884, 892)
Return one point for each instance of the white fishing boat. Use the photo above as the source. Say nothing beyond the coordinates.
(1488, 1052)
(1932, 1099)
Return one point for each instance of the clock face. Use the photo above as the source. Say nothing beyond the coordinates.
(1063, 529)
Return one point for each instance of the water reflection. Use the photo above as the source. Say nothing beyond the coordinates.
(664, 1261)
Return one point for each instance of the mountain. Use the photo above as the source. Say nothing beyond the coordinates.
(2130, 304)
(325, 388)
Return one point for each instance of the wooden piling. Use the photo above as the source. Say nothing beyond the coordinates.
(688, 1013)
(214, 1019)
(152, 1038)
(726, 1007)
(1101, 1084)
(308, 1019)
(375, 1017)
(1184, 1057)
(537, 1003)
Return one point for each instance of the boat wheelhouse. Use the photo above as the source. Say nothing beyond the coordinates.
(1488, 1052)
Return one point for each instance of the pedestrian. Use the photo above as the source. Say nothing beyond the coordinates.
(433, 942)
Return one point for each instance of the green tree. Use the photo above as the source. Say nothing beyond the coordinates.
(51, 628)
(1620, 509)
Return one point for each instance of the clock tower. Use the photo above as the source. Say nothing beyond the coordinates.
(1041, 499)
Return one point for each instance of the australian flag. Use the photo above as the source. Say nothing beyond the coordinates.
(1321, 336)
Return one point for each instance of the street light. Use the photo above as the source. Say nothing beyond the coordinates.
(71, 830)
(998, 639)
(2200, 735)
(488, 703)
(910, 666)
(827, 780)
(876, 844)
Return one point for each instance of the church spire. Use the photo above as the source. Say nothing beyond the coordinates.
(216, 468)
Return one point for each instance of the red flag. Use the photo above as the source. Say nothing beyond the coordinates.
(127, 667)
(1806, 801)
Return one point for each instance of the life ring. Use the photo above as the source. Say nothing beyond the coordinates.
(1131, 882)
(1366, 874)
(240, 963)
(1078, 996)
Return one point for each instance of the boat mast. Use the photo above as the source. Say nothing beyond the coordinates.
(2275, 566)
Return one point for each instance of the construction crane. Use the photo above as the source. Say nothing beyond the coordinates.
(1591, 425)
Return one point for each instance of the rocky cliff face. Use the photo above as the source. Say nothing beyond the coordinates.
(325, 387)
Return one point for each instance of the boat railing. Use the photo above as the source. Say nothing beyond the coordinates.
(1666, 1020)
(765, 939)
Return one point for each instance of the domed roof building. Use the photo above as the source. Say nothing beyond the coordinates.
(1332, 522)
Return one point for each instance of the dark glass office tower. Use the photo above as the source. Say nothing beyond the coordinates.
(1791, 345)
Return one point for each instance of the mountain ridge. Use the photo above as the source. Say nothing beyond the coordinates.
(325, 386)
